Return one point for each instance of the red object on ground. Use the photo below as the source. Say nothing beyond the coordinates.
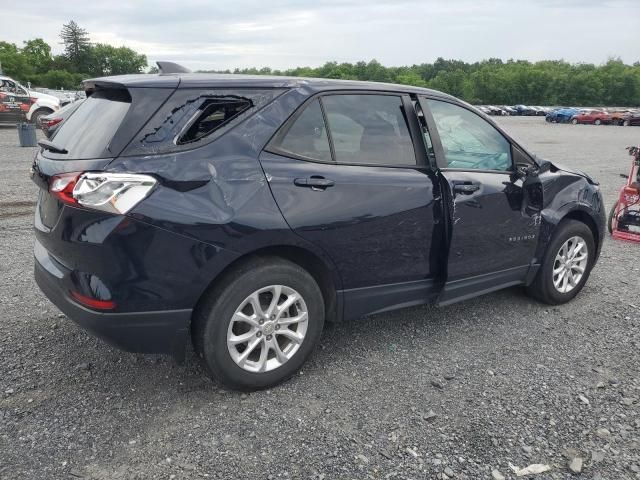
(624, 222)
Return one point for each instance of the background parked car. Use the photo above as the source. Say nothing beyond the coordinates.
(617, 117)
(50, 123)
(524, 110)
(595, 117)
(540, 111)
(496, 110)
(509, 110)
(632, 118)
(18, 103)
(561, 115)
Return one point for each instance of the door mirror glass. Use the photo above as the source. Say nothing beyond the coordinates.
(469, 141)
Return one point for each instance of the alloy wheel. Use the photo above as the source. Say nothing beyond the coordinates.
(570, 264)
(267, 328)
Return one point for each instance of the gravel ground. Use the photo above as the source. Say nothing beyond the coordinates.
(457, 392)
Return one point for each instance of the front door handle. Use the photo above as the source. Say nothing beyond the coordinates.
(314, 182)
(466, 188)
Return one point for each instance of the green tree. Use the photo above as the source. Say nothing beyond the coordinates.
(77, 47)
(38, 53)
(13, 62)
(110, 60)
(58, 79)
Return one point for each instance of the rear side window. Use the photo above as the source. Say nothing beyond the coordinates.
(89, 131)
(369, 129)
(307, 136)
(193, 117)
(212, 114)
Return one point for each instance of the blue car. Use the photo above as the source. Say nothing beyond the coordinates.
(239, 213)
(561, 115)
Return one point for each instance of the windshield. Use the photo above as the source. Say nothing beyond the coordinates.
(88, 132)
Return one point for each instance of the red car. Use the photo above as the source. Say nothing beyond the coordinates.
(596, 117)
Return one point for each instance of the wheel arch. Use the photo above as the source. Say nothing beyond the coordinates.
(553, 217)
(325, 276)
(42, 110)
(584, 217)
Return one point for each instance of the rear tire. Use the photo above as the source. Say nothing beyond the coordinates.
(574, 121)
(37, 116)
(544, 286)
(626, 123)
(611, 215)
(598, 121)
(228, 315)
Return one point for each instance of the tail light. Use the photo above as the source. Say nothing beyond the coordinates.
(109, 192)
(51, 123)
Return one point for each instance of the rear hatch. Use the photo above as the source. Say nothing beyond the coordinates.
(96, 133)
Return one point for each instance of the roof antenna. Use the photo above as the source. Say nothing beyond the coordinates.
(171, 67)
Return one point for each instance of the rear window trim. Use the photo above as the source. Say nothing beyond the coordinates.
(272, 144)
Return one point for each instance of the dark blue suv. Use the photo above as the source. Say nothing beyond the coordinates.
(240, 213)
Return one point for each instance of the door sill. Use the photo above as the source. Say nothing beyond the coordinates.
(463, 289)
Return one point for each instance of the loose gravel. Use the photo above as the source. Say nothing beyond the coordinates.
(476, 390)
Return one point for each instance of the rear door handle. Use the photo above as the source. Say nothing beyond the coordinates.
(314, 182)
(466, 188)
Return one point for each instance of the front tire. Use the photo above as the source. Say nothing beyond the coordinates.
(566, 265)
(257, 328)
(574, 121)
(598, 121)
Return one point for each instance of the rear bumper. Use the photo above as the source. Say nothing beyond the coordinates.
(163, 332)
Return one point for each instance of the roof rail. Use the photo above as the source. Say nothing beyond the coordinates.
(171, 67)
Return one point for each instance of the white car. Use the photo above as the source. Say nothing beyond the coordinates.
(18, 102)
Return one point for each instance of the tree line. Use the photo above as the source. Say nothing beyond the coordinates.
(33, 62)
(492, 81)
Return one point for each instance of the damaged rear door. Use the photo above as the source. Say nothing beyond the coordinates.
(348, 172)
(493, 209)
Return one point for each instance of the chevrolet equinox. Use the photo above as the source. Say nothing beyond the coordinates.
(240, 213)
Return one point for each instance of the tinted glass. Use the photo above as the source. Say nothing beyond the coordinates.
(469, 141)
(369, 129)
(307, 137)
(88, 132)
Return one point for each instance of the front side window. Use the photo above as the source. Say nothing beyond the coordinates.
(369, 129)
(307, 136)
(469, 141)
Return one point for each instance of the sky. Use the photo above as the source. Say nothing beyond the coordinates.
(287, 33)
